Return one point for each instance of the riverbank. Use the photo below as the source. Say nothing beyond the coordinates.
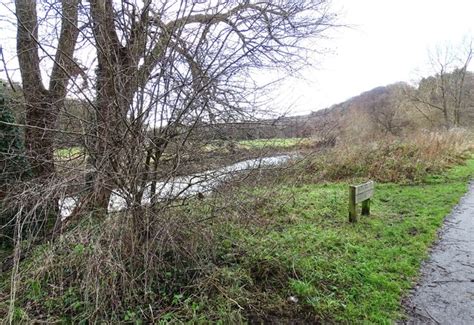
(71, 162)
(276, 248)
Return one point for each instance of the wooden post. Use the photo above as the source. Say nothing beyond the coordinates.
(366, 207)
(352, 204)
(360, 194)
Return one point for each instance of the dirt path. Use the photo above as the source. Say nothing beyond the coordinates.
(445, 294)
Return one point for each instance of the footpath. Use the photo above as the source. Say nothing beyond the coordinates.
(445, 293)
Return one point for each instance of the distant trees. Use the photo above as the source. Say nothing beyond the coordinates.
(447, 94)
(384, 110)
(444, 99)
(387, 111)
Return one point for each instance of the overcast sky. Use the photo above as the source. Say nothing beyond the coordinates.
(388, 41)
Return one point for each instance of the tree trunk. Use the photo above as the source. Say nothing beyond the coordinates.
(40, 116)
(447, 123)
(114, 72)
(42, 105)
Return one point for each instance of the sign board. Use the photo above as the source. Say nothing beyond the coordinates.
(357, 194)
(364, 191)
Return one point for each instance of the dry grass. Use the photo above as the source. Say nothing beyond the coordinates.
(140, 264)
(402, 160)
(108, 269)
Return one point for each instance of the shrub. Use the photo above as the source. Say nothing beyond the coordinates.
(130, 260)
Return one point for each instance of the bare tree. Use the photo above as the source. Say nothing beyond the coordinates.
(386, 110)
(175, 66)
(43, 104)
(156, 74)
(446, 91)
(159, 72)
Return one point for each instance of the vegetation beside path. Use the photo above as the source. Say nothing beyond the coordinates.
(288, 254)
(339, 271)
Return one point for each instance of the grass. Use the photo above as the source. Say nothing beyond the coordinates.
(257, 144)
(68, 153)
(294, 258)
(273, 143)
(340, 272)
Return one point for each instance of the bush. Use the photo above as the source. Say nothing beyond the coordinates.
(133, 260)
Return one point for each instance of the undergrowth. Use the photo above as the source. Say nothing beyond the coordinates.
(401, 160)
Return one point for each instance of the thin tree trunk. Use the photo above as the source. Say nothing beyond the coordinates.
(114, 72)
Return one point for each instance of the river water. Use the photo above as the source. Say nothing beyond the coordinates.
(184, 186)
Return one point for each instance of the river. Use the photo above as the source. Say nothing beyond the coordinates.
(184, 186)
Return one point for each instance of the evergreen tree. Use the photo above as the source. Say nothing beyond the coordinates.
(13, 163)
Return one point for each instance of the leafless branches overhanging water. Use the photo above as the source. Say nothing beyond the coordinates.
(165, 86)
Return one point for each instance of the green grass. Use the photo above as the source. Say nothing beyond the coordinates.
(68, 153)
(272, 143)
(341, 272)
(257, 144)
(74, 152)
(300, 247)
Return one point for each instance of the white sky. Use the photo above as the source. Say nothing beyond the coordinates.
(388, 41)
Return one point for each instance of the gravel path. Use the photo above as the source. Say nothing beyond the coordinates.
(445, 294)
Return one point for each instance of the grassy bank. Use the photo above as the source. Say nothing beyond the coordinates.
(68, 153)
(278, 252)
(339, 272)
(256, 144)
(279, 143)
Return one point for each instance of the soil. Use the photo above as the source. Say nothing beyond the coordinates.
(445, 292)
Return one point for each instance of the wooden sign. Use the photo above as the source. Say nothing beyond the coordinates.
(357, 194)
